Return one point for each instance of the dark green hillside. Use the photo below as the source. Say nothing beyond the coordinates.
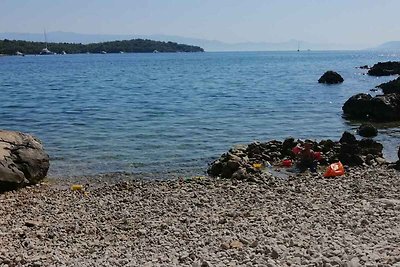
(9, 47)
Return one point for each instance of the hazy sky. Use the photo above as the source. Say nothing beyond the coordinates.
(366, 22)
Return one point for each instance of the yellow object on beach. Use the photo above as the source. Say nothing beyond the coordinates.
(257, 165)
(77, 187)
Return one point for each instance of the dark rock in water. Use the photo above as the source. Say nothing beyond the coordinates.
(348, 138)
(365, 67)
(367, 130)
(385, 68)
(385, 107)
(357, 106)
(331, 77)
(22, 158)
(379, 108)
(390, 87)
(369, 146)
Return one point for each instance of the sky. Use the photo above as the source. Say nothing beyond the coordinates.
(366, 22)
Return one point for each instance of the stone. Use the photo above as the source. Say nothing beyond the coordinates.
(22, 158)
(385, 68)
(348, 138)
(331, 77)
(391, 86)
(367, 130)
(31, 223)
(236, 244)
(357, 106)
(381, 108)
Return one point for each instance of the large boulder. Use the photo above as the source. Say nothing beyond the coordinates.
(331, 77)
(379, 108)
(22, 158)
(357, 106)
(385, 68)
(367, 130)
(391, 87)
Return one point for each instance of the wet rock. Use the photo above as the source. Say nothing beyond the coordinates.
(385, 68)
(380, 108)
(348, 138)
(22, 158)
(391, 86)
(357, 106)
(367, 130)
(365, 67)
(331, 77)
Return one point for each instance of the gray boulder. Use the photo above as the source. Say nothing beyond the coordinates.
(22, 158)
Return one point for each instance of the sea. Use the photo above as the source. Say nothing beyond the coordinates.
(172, 114)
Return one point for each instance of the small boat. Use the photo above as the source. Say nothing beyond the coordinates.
(156, 51)
(46, 51)
(19, 54)
(103, 52)
(63, 53)
(121, 52)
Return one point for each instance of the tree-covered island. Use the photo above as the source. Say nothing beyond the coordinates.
(12, 47)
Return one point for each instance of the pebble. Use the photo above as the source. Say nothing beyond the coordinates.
(306, 220)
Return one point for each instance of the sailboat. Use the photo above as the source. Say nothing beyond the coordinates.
(46, 51)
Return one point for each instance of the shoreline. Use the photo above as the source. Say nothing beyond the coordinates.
(305, 220)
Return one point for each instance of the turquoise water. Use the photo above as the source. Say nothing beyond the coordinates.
(174, 113)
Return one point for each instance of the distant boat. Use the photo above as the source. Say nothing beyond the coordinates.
(63, 53)
(298, 46)
(19, 54)
(103, 52)
(156, 51)
(121, 52)
(46, 51)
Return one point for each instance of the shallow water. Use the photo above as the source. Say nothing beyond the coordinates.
(174, 113)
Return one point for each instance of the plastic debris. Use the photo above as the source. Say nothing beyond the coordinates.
(77, 187)
(335, 169)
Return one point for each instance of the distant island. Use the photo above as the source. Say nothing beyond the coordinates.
(13, 47)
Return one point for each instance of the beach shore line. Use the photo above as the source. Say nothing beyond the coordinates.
(306, 220)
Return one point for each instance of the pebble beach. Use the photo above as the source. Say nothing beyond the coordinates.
(120, 220)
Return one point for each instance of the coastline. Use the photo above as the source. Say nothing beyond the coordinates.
(304, 220)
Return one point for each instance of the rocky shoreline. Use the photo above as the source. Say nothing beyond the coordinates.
(305, 220)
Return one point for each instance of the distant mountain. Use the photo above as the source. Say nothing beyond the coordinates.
(208, 45)
(389, 46)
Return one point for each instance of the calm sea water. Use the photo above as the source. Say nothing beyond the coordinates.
(174, 113)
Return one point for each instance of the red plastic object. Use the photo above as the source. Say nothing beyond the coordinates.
(335, 169)
(287, 163)
(296, 150)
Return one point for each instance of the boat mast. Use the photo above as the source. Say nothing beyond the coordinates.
(45, 37)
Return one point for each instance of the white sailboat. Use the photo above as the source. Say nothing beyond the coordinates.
(46, 51)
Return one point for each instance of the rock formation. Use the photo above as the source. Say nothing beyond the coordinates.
(385, 68)
(22, 158)
(246, 162)
(379, 108)
(331, 77)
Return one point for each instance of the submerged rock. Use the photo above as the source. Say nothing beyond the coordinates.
(385, 68)
(367, 130)
(22, 158)
(331, 77)
(391, 86)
